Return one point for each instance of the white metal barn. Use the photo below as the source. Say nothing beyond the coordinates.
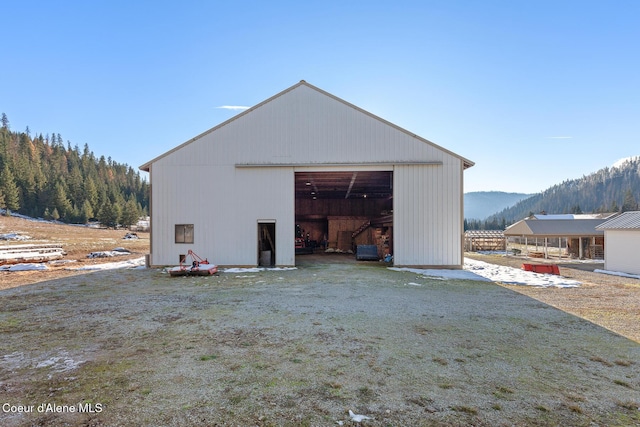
(306, 160)
(622, 238)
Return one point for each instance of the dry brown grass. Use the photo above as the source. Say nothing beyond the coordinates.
(77, 242)
(606, 300)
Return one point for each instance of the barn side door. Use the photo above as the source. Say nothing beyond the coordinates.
(266, 243)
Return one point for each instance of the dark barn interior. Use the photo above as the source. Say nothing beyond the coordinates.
(337, 211)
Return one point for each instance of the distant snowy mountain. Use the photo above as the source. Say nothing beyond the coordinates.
(481, 204)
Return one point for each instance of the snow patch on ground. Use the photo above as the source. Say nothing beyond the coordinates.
(257, 269)
(24, 267)
(14, 236)
(482, 271)
(437, 273)
(108, 254)
(132, 263)
(516, 276)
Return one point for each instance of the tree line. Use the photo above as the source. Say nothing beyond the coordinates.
(42, 178)
(609, 190)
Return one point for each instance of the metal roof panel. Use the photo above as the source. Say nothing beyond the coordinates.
(626, 220)
(556, 228)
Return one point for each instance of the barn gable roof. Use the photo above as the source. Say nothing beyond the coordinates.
(146, 167)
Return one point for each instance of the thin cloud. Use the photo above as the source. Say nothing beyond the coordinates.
(234, 107)
(559, 137)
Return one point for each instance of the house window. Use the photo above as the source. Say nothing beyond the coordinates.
(184, 233)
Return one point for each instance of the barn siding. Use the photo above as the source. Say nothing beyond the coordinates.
(222, 181)
(319, 130)
(225, 205)
(427, 215)
(621, 251)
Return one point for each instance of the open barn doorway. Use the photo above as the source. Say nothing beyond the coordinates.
(266, 243)
(337, 212)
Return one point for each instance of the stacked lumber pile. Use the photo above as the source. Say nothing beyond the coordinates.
(14, 254)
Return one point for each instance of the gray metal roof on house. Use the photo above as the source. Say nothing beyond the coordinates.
(556, 228)
(571, 216)
(626, 220)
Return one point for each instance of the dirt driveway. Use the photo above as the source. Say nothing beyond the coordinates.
(303, 347)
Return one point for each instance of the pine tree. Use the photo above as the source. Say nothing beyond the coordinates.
(130, 213)
(90, 192)
(614, 207)
(629, 203)
(5, 121)
(86, 213)
(62, 202)
(108, 214)
(9, 190)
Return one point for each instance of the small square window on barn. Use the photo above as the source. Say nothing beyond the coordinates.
(184, 233)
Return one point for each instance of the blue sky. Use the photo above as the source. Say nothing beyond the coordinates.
(534, 92)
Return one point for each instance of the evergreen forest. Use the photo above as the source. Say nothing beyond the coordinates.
(40, 177)
(609, 190)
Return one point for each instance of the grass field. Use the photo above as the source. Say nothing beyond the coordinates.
(295, 348)
(303, 347)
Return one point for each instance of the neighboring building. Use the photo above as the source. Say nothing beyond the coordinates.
(622, 234)
(305, 167)
(484, 240)
(581, 237)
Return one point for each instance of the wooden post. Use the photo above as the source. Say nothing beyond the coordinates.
(560, 246)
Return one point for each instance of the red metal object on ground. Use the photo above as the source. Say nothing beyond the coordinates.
(198, 267)
(542, 268)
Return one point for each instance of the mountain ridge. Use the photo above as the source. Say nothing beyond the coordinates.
(479, 205)
(610, 189)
